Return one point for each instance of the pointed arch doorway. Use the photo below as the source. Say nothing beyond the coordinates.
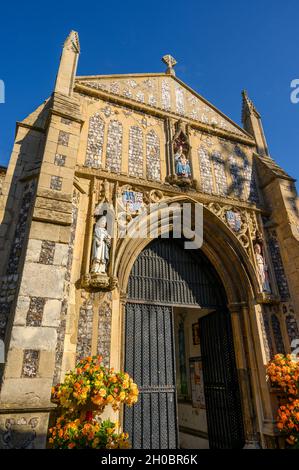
(179, 349)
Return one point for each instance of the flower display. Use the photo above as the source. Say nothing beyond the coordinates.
(82, 397)
(70, 434)
(283, 372)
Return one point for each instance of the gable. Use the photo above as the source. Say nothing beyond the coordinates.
(163, 92)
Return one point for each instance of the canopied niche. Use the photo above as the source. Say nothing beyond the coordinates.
(181, 171)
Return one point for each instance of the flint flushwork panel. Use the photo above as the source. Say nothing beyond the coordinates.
(85, 330)
(136, 152)
(281, 279)
(114, 146)
(205, 170)
(95, 141)
(56, 183)
(59, 159)
(104, 329)
(236, 176)
(220, 175)
(9, 282)
(30, 363)
(153, 170)
(180, 100)
(166, 100)
(35, 311)
(63, 138)
(292, 328)
(47, 252)
(266, 331)
(250, 193)
(277, 334)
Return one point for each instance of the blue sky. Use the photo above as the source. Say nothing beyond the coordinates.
(221, 47)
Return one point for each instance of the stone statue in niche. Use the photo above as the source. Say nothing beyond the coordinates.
(100, 247)
(182, 166)
(262, 268)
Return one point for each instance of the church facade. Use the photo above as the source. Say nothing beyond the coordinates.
(194, 327)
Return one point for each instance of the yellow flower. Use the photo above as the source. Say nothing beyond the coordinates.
(110, 399)
(102, 392)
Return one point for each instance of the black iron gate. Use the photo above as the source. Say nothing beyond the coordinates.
(152, 422)
(165, 273)
(224, 413)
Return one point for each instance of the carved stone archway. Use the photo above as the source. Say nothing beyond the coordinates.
(237, 273)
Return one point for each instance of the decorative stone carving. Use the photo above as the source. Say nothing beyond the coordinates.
(180, 149)
(98, 282)
(182, 166)
(98, 277)
(19, 433)
(262, 268)
(100, 247)
(158, 95)
(234, 220)
(240, 224)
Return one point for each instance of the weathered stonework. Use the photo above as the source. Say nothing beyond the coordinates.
(22, 432)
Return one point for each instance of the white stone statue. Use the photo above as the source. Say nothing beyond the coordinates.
(262, 268)
(100, 247)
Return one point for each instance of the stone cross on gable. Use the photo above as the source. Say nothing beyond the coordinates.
(170, 62)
